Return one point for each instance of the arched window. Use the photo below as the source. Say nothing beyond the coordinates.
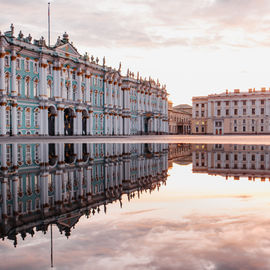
(74, 92)
(91, 93)
(101, 100)
(67, 89)
(35, 87)
(7, 82)
(27, 117)
(36, 67)
(27, 86)
(18, 85)
(49, 88)
(6, 61)
(19, 117)
(27, 65)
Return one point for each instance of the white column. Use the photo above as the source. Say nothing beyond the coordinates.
(79, 86)
(43, 79)
(3, 121)
(57, 82)
(15, 193)
(2, 71)
(45, 119)
(4, 197)
(13, 74)
(87, 87)
(110, 94)
(14, 119)
(78, 130)
(90, 122)
(105, 124)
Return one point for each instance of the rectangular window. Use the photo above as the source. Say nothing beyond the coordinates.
(235, 111)
(36, 119)
(262, 102)
(244, 111)
(244, 102)
(28, 153)
(218, 112)
(8, 117)
(262, 110)
(253, 111)
(19, 118)
(28, 117)
(253, 102)
(227, 112)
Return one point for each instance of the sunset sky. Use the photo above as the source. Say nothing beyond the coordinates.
(195, 47)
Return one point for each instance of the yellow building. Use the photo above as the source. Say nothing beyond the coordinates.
(232, 113)
(179, 118)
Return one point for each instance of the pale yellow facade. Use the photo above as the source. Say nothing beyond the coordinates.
(179, 119)
(232, 113)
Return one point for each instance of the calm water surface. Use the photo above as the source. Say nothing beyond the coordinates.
(135, 206)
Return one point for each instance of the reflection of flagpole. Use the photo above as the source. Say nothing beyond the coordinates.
(51, 247)
(49, 25)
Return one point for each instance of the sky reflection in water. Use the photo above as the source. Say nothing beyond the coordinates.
(196, 221)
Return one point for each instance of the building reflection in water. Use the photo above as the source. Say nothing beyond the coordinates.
(228, 160)
(43, 184)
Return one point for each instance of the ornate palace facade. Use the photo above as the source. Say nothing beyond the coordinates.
(43, 184)
(56, 91)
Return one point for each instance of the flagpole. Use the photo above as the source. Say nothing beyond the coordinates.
(51, 247)
(49, 25)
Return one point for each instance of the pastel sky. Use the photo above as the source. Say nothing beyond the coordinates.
(195, 47)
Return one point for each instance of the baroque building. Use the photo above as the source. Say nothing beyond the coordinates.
(43, 184)
(57, 91)
(232, 113)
